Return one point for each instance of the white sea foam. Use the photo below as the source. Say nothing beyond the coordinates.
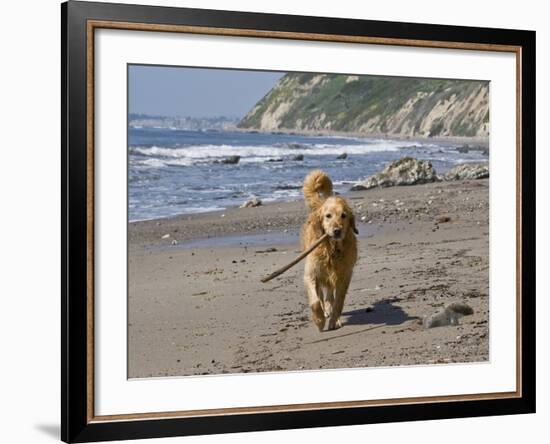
(159, 156)
(174, 212)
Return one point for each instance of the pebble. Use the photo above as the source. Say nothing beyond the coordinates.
(166, 236)
(442, 220)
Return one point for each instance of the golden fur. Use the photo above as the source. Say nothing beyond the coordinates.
(328, 269)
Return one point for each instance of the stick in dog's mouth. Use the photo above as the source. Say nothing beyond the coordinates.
(295, 261)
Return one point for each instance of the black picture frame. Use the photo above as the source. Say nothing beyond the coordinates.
(77, 425)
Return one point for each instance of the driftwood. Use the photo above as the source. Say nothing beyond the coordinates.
(295, 261)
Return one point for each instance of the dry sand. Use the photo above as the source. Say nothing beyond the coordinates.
(198, 307)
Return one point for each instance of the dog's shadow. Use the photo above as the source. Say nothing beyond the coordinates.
(382, 313)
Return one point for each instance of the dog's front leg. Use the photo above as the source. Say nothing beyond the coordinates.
(329, 301)
(317, 312)
(339, 297)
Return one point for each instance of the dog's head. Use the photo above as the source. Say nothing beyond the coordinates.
(336, 218)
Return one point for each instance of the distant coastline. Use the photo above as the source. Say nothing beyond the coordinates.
(476, 140)
(225, 123)
(184, 123)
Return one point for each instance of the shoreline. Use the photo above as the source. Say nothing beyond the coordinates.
(294, 208)
(287, 165)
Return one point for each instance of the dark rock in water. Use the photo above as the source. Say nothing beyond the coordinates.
(295, 146)
(342, 156)
(288, 186)
(297, 157)
(405, 171)
(275, 159)
(468, 171)
(469, 148)
(450, 315)
(252, 202)
(231, 160)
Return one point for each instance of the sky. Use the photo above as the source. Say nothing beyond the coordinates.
(196, 92)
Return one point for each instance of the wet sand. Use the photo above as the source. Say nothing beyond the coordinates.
(197, 306)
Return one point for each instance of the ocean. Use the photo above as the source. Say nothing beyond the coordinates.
(174, 172)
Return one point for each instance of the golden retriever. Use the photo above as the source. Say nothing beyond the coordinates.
(328, 269)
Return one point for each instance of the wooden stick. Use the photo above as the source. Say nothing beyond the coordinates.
(295, 261)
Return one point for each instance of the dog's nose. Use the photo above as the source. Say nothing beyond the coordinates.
(337, 232)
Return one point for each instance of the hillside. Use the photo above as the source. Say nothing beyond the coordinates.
(373, 105)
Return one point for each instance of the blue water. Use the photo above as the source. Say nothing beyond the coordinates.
(175, 172)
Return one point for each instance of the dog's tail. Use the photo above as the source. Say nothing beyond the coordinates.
(317, 187)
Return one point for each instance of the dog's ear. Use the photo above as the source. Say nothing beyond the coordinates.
(352, 223)
(316, 221)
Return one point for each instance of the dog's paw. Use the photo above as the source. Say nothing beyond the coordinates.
(334, 325)
(318, 315)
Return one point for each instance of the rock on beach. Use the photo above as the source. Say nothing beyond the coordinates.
(252, 202)
(450, 315)
(468, 171)
(405, 171)
(411, 171)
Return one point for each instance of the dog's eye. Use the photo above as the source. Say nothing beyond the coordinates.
(328, 216)
(344, 215)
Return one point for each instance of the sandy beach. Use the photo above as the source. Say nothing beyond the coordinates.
(197, 306)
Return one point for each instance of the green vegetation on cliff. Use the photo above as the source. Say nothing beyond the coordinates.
(373, 105)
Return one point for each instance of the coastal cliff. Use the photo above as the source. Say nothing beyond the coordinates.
(373, 105)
